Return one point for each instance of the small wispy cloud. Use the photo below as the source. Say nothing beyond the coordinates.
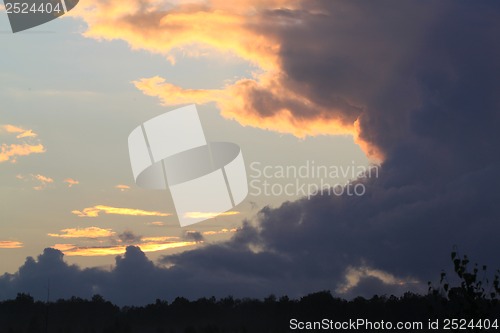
(354, 275)
(173, 95)
(154, 247)
(156, 224)
(90, 232)
(208, 215)
(27, 134)
(10, 152)
(159, 239)
(64, 247)
(43, 181)
(71, 182)
(122, 188)
(10, 245)
(96, 210)
(218, 232)
(171, 59)
(23, 133)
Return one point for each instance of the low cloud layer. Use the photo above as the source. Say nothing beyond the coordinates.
(95, 241)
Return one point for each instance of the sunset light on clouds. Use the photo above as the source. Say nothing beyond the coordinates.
(10, 245)
(96, 210)
(89, 232)
(208, 215)
(71, 182)
(288, 108)
(72, 250)
(122, 187)
(410, 87)
(23, 133)
(10, 152)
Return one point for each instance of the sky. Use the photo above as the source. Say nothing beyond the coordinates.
(405, 92)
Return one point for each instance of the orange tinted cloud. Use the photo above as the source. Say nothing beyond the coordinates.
(90, 232)
(26, 134)
(41, 179)
(156, 224)
(44, 181)
(23, 133)
(222, 231)
(12, 151)
(73, 250)
(147, 244)
(172, 95)
(208, 215)
(64, 247)
(158, 239)
(10, 245)
(269, 99)
(233, 101)
(122, 187)
(149, 25)
(71, 182)
(153, 247)
(96, 210)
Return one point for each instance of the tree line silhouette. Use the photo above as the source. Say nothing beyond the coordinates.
(474, 296)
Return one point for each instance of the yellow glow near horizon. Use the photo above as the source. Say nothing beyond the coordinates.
(94, 211)
(208, 215)
(73, 250)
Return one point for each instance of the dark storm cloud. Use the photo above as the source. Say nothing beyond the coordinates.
(134, 280)
(424, 78)
(48, 271)
(342, 56)
(385, 62)
(137, 280)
